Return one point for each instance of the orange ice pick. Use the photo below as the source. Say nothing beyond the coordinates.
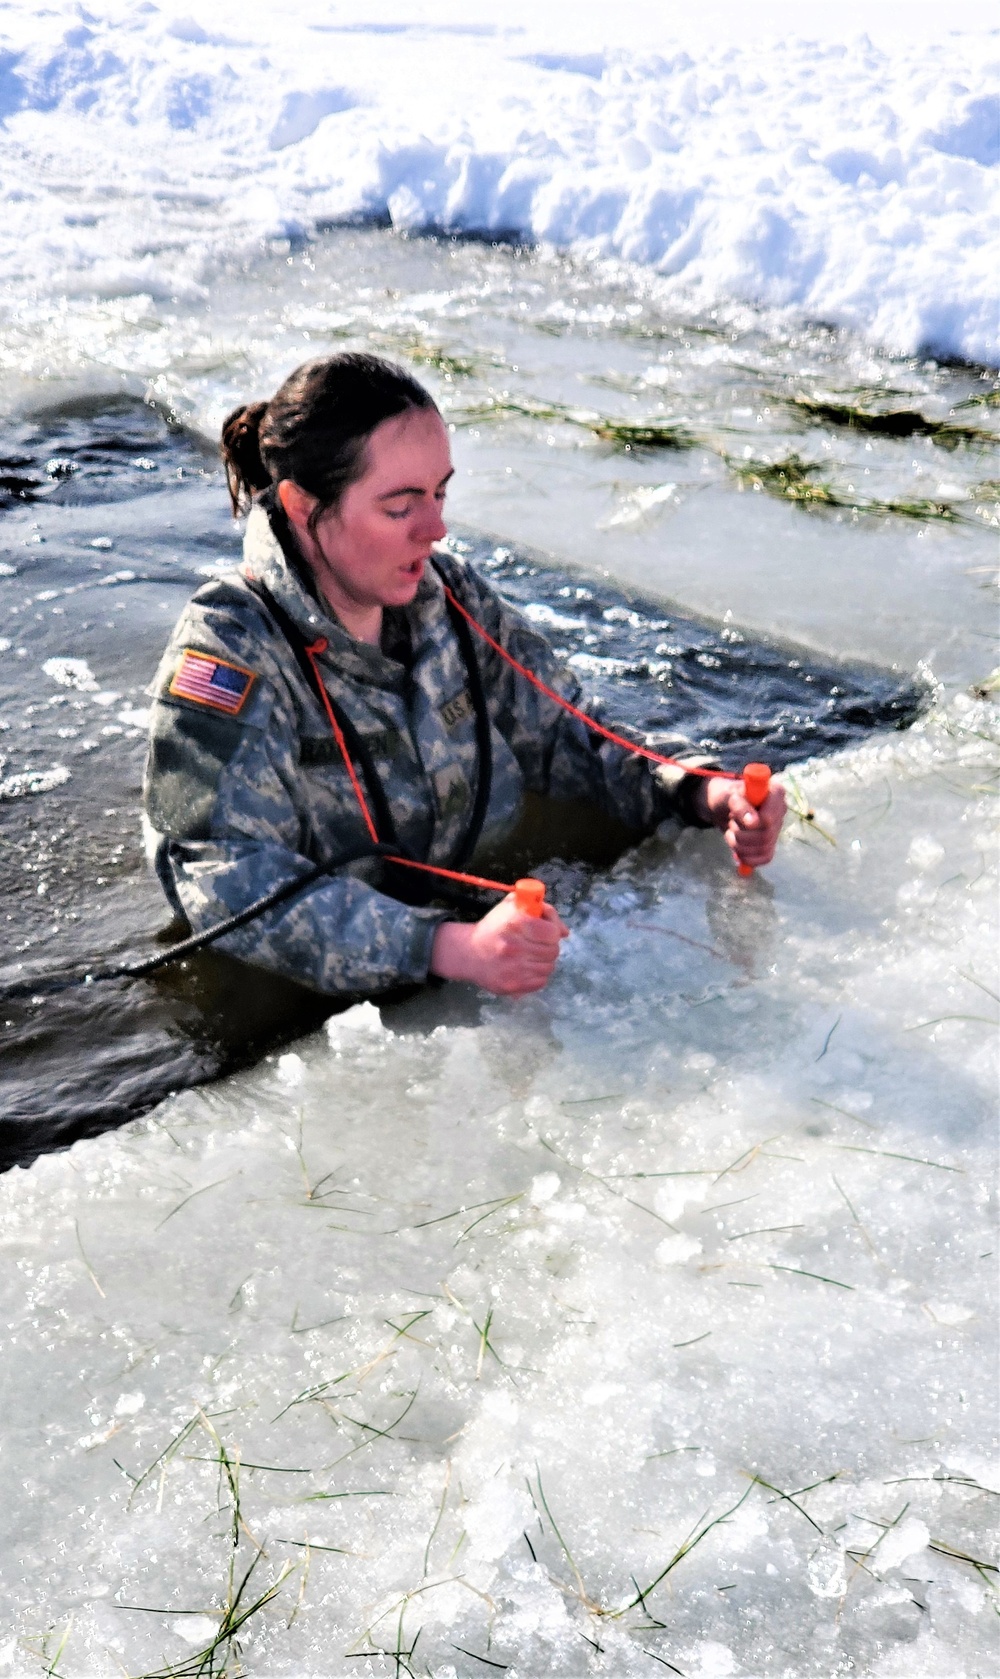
(756, 786)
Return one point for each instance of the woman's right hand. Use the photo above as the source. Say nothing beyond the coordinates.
(507, 952)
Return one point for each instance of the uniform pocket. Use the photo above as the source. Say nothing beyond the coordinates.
(188, 750)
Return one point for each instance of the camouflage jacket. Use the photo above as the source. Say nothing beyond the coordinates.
(245, 785)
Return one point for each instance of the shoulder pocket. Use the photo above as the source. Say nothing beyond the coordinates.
(188, 750)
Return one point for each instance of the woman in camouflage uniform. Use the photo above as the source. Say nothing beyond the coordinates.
(341, 606)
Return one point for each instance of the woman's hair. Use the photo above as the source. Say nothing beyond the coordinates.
(315, 428)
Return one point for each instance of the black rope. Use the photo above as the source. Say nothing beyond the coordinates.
(397, 881)
(288, 889)
(355, 744)
(197, 941)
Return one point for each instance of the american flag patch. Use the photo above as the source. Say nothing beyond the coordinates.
(211, 682)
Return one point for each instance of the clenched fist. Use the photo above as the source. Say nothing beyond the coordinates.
(751, 831)
(507, 952)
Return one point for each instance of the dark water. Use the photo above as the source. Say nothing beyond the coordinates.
(110, 516)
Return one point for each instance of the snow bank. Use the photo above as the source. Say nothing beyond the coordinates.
(854, 182)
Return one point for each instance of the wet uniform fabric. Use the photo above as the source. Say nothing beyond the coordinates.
(245, 785)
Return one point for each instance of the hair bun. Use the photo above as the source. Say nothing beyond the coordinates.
(246, 473)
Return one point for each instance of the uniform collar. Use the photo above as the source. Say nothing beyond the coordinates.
(270, 557)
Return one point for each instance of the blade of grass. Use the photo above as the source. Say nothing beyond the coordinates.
(296, 1328)
(328, 1497)
(719, 1206)
(166, 1454)
(373, 1434)
(485, 1344)
(507, 1202)
(663, 1662)
(791, 1497)
(484, 1659)
(195, 1192)
(565, 1548)
(749, 1155)
(585, 1172)
(764, 1230)
(863, 1557)
(196, 1665)
(583, 1101)
(942, 1480)
(86, 1262)
(800, 808)
(793, 479)
(303, 1580)
(437, 1520)
(889, 1154)
(361, 1371)
(671, 933)
(272, 1468)
(459, 1212)
(850, 1207)
(938, 1019)
(310, 1544)
(51, 1671)
(644, 434)
(900, 422)
(814, 1274)
(845, 1111)
(829, 1036)
(683, 1550)
(946, 1550)
(978, 982)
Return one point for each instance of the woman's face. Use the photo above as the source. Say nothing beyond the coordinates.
(371, 549)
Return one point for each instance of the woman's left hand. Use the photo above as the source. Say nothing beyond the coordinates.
(751, 831)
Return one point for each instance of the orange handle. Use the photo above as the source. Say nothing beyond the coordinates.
(756, 786)
(529, 896)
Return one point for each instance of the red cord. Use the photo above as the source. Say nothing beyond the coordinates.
(317, 647)
(338, 735)
(536, 682)
(453, 874)
(574, 711)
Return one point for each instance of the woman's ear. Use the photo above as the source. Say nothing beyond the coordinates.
(296, 503)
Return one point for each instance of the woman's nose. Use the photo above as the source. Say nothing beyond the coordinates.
(432, 527)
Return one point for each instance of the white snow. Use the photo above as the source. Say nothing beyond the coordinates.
(850, 179)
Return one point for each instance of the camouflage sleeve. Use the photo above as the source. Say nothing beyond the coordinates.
(558, 755)
(220, 792)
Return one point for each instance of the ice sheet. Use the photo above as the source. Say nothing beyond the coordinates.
(509, 1302)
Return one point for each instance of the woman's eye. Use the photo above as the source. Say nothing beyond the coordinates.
(397, 512)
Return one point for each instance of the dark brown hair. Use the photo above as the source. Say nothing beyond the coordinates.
(315, 428)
